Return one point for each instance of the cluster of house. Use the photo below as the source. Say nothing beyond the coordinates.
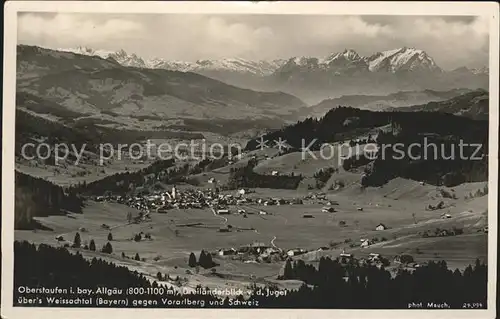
(256, 252)
(162, 201)
(259, 252)
(375, 259)
(223, 202)
(316, 196)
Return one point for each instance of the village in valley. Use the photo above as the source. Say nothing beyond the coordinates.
(251, 235)
(239, 204)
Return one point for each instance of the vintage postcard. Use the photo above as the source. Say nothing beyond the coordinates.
(243, 159)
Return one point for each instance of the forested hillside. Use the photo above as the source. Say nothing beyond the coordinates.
(36, 197)
(442, 164)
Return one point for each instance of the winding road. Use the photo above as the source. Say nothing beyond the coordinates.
(272, 242)
(219, 216)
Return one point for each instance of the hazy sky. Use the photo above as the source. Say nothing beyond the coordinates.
(451, 41)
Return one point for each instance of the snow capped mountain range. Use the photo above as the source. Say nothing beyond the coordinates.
(402, 59)
(346, 62)
(228, 64)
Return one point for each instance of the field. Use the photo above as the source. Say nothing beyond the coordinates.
(400, 205)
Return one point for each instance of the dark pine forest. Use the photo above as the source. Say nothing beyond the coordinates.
(332, 285)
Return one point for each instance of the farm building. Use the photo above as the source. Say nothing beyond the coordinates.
(381, 227)
(223, 211)
(365, 243)
(262, 212)
(272, 250)
(413, 265)
(227, 252)
(344, 254)
(275, 173)
(403, 259)
(307, 216)
(258, 247)
(328, 210)
(345, 257)
(224, 230)
(296, 252)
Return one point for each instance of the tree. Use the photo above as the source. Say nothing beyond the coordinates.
(108, 249)
(414, 218)
(137, 257)
(92, 245)
(288, 271)
(110, 237)
(203, 259)
(159, 276)
(209, 262)
(192, 260)
(77, 241)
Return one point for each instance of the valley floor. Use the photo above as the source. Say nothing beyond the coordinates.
(400, 205)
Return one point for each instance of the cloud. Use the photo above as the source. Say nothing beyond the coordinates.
(453, 42)
(73, 28)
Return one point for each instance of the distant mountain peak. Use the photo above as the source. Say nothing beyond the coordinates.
(347, 54)
(85, 49)
(483, 70)
(476, 71)
(401, 59)
(351, 54)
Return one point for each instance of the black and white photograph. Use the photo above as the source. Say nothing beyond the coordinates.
(241, 156)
